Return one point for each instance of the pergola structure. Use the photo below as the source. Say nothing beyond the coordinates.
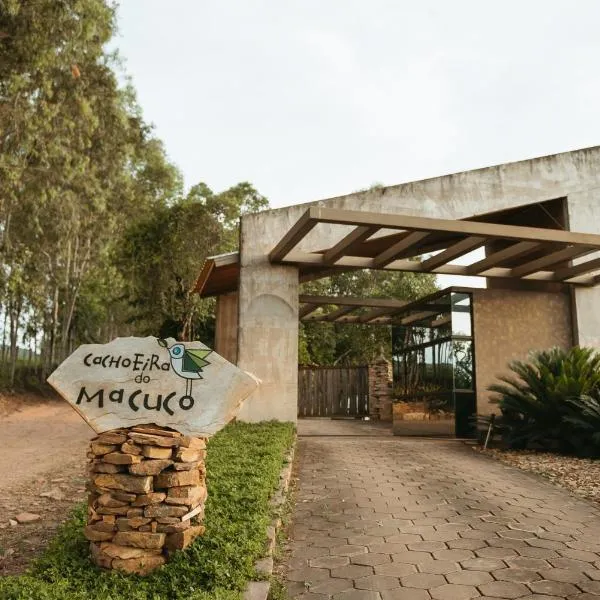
(394, 243)
(375, 311)
(391, 242)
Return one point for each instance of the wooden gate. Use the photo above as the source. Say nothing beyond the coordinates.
(333, 391)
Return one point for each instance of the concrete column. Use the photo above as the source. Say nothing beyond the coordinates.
(584, 216)
(226, 329)
(268, 325)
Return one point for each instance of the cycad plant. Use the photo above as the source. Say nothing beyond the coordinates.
(584, 421)
(536, 401)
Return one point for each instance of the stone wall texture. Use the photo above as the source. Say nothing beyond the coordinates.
(147, 492)
(508, 325)
(380, 390)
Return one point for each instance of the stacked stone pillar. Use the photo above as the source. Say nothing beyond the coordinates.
(147, 493)
(380, 390)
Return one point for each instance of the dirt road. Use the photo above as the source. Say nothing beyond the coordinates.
(42, 451)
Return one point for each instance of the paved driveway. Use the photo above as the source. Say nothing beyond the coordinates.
(384, 518)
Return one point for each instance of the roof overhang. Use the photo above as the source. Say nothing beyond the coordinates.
(219, 275)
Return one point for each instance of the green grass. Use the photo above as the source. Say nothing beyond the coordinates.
(243, 466)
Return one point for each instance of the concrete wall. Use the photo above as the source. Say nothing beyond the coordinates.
(508, 324)
(226, 329)
(268, 326)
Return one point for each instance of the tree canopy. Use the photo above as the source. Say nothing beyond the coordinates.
(97, 237)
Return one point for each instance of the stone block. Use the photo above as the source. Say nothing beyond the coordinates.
(189, 495)
(164, 510)
(140, 539)
(99, 449)
(95, 535)
(118, 458)
(127, 483)
(182, 539)
(154, 440)
(140, 566)
(150, 467)
(151, 498)
(154, 452)
(177, 479)
(111, 437)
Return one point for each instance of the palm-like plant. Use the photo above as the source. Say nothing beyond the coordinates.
(534, 403)
(584, 420)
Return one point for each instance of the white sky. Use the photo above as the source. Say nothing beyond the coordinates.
(309, 99)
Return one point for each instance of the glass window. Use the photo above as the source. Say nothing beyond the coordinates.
(433, 361)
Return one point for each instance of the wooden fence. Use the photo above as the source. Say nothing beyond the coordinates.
(333, 391)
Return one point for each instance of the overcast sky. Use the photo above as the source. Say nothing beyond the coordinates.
(309, 99)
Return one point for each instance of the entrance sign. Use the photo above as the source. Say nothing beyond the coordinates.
(132, 381)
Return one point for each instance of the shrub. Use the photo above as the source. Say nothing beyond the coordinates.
(540, 405)
(584, 420)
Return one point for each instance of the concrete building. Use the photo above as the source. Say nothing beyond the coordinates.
(538, 221)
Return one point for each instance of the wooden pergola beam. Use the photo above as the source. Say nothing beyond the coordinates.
(306, 309)
(332, 316)
(457, 249)
(388, 255)
(359, 234)
(361, 262)
(577, 270)
(293, 237)
(417, 317)
(351, 301)
(511, 252)
(549, 260)
(474, 228)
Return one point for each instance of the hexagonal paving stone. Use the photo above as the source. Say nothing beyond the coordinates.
(329, 562)
(395, 569)
(385, 548)
(347, 550)
(332, 586)
(357, 595)
(352, 571)
(309, 574)
(427, 546)
(523, 562)
(423, 581)
(413, 558)
(566, 575)
(516, 574)
(569, 563)
(469, 577)
(453, 555)
(377, 583)
(482, 564)
(440, 567)
(370, 559)
(504, 589)
(553, 588)
(495, 552)
(402, 538)
(548, 544)
(466, 544)
(593, 574)
(449, 591)
(537, 552)
(517, 534)
(405, 594)
(593, 587)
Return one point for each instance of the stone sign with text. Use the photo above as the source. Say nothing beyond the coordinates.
(131, 381)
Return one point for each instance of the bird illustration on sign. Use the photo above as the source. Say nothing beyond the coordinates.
(186, 362)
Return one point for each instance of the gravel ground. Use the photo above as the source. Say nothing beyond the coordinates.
(581, 476)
